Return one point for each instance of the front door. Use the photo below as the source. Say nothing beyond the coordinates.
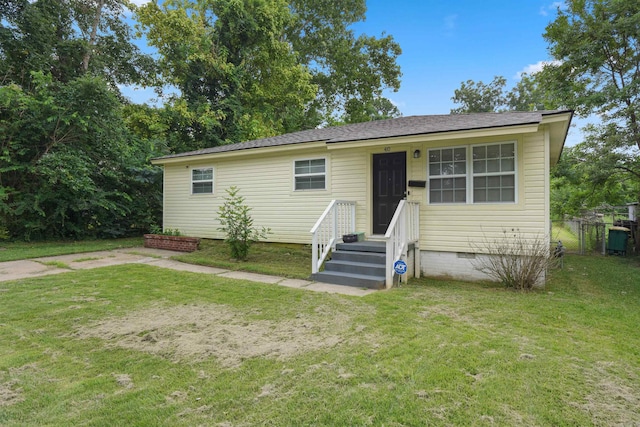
(389, 187)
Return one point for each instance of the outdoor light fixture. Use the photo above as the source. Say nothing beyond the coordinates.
(416, 154)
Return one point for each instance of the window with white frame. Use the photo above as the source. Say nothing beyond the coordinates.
(494, 173)
(310, 174)
(448, 175)
(473, 174)
(202, 181)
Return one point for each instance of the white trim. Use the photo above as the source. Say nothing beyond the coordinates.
(212, 180)
(470, 175)
(315, 174)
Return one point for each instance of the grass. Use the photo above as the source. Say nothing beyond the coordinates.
(278, 259)
(57, 264)
(561, 232)
(89, 347)
(11, 251)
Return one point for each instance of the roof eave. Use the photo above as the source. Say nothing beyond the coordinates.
(249, 151)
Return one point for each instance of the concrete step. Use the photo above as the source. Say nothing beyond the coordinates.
(356, 256)
(363, 268)
(366, 246)
(350, 279)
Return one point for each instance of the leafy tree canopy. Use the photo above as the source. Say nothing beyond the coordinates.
(596, 47)
(247, 69)
(478, 97)
(69, 167)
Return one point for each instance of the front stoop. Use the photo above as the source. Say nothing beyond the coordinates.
(358, 264)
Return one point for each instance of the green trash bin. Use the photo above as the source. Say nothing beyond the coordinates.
(618, 238)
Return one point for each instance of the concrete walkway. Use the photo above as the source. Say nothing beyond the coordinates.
(14, 270)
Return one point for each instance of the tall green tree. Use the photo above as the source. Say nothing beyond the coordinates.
(596, 44)
(69, 167)
(69, 38)
(352, 72)
(237, 77)
(527, 95)
(582, 181)
(246, 69)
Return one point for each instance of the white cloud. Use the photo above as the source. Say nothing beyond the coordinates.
(139, 2)
(544, 10)
(534, 68)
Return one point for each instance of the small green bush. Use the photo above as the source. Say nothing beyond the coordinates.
(237, 224)
(155, 229)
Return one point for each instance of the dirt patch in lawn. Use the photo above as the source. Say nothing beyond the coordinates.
(10, 390)
(10, 393)
(195, 332)
(615, 396)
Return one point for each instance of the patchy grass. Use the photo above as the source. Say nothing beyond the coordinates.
(88, 258)
(138, 345)
(57, 264)
(11, 251)
(279, 259)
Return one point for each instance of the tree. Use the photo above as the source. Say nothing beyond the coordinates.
(237, 224)
(351, 72)
(596, 44)
(238, 78)
(478, 97)
(69, 167)
(527, 95)
(69, 38)
(584, 180)
(247, 69)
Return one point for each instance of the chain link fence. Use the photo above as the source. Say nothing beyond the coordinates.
(580, 236)
(589, 233)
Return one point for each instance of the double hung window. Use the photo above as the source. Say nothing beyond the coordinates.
(473, 174)
(310, 174)
(202, 181)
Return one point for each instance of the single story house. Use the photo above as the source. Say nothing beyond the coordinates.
(430, 188)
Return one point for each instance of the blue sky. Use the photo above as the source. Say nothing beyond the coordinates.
(447, 42)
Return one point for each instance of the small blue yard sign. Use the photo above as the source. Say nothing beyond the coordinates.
(400, 267)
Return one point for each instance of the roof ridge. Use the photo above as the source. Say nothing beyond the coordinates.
(387, 128)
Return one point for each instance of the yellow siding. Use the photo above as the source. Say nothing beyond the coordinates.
(462, 228)
(266, 182)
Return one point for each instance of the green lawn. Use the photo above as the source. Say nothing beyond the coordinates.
(138, 345)
(11, 251)
(278, 259)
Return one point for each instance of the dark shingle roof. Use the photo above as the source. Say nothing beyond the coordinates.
(402, 126)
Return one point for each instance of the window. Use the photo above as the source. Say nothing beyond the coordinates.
(310, 174)
(202, 181)
(448, 175)
(487, 175)
(494, 173)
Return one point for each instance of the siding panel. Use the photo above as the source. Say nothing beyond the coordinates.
(266, 182)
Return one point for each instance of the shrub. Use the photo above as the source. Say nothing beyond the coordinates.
(156, 229)
(514, 260)
(237, 224)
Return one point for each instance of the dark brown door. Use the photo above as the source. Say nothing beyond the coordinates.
(389, 187)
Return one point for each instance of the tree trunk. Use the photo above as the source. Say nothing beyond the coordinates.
(92, 36)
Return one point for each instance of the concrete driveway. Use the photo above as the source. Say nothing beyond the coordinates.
(15, 270)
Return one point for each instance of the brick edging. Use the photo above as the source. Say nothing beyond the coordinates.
(171, 243)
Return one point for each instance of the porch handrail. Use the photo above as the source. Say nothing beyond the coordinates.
(338, 218)
(403, 229)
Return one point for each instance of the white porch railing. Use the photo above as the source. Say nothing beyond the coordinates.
(339, 218)
(403, 229)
